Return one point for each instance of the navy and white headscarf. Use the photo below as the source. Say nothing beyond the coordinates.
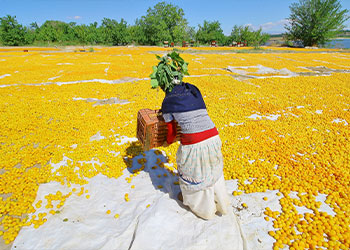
(184, 97)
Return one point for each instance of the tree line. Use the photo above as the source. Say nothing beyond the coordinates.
(163, 22)
(312, 22)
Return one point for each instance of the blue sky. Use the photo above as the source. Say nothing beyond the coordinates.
(268, 14)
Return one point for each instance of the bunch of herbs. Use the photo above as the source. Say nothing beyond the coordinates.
(171, 68)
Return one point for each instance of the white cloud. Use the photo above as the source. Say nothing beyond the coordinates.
(75, 17)
(270, 27)
(274, 25)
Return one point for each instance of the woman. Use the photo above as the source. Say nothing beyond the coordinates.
(199, 158)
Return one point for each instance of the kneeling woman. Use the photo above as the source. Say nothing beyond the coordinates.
(199, 158)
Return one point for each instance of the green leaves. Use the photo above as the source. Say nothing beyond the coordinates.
(210, 31)
(154, 81)
(153, 75)
(171, 68)
(12, 33)
(246, 34)
(314, 22)
(163, 22)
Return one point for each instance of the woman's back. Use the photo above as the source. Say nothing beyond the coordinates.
(191, 121)
(185, 104)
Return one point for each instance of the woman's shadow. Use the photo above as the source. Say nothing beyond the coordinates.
(153, 162)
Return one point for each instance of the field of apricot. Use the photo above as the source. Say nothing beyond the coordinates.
(283, 119)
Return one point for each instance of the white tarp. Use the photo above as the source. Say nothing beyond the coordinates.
(166, 224)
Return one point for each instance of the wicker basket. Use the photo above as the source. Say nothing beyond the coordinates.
(152, 129)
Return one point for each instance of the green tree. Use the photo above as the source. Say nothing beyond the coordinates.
(191, 33)
(259, 38)
(11, 32)
(314, 22)
(55, 31)
(82, 33)
(87, 34)
(115, 33)
(31, 33)
(241, 34)
(94, 34)
(71, 33)
(210, 31)
(163, 22)
(136, 34)
(181, 32)
(152, 31)
(245, 34)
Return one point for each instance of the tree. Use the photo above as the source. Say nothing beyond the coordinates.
(210, 31)
(34, 26)
(11, 32)
(191, 33)
(82, 33)
(114, 32)
(246, 34)
(259, 38)
(182, 32)
(94, 34)
(55, 31)
(86, 34)
(136, 34)
(314, 22)
(241, 34)
(31, 33)
(163, 22)
(71, 33)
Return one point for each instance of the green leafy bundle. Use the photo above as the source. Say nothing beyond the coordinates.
(169, 70)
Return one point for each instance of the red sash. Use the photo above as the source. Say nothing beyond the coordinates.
(187, 139)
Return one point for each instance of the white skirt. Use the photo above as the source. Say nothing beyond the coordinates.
(205, 203)
(202, 183)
